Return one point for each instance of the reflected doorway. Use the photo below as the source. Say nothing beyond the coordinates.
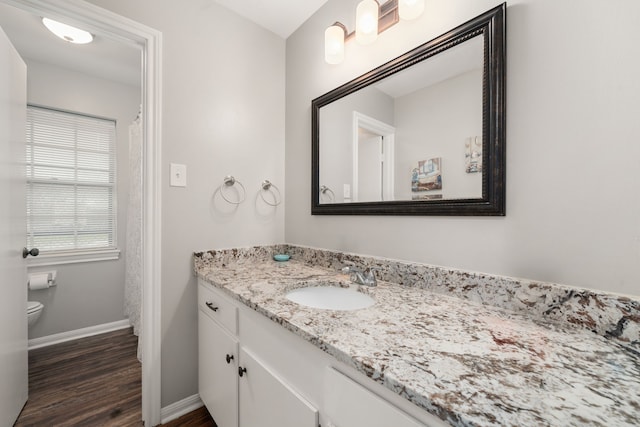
(373, 159)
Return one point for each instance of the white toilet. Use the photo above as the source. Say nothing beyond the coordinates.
(34, 310)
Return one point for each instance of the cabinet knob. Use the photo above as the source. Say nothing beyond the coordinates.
(229, 358)
(241, 370)
(211, 306)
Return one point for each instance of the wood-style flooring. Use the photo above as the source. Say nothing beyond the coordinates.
(198, 418)
(94, 381)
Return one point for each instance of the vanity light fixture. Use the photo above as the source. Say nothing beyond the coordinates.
(334, 38)
(372, 18)
(67, 32)
(367, 15)
(410, 9)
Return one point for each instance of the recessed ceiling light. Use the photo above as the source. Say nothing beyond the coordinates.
(67, 32)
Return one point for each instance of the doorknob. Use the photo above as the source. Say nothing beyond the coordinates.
(32, 252)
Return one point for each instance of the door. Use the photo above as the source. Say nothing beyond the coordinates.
(217, 371)
(373, 159)
(347, 403)
(369, 168)
(266, 400)
(13, 270)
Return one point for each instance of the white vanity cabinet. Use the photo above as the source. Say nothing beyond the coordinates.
(235, 386)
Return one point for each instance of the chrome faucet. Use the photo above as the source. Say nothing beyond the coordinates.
(366, 277)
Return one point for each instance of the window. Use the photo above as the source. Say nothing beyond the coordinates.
(71, 190)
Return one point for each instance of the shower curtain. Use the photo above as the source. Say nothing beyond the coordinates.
(133, 258)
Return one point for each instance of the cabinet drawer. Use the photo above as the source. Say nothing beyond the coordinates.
(218, 307)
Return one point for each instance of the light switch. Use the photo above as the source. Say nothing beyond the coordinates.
(346, 191)
(178, 175)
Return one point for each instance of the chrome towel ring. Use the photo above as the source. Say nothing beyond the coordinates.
(228, 182)
(328, 193)
(267, 186)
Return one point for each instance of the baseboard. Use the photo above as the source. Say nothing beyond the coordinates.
(180, 408)
(78, 333)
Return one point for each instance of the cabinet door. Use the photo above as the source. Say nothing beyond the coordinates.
(217, 378)
(349, 404)
(266, 401)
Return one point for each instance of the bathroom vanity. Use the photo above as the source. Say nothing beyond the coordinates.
(419, 356)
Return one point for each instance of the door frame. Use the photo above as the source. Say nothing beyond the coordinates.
(102, 21)
(388, 134)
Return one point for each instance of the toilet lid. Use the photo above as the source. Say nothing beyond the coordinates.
(33, 306)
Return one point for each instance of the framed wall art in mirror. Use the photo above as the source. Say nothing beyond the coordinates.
(423, 134)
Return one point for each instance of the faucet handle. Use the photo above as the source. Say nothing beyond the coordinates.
(370, 276)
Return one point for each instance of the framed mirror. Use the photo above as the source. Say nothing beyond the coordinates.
(423, 134)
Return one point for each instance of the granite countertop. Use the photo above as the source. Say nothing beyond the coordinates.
(468, 363)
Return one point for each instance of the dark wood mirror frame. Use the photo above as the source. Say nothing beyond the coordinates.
(492, 25)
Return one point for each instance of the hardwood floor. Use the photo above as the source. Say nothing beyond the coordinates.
(94, 381)
(198, 418)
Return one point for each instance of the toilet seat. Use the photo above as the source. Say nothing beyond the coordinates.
(33, 306)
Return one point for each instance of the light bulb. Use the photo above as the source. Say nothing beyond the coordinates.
(67, 32)
(410, 9)
(334, 44)
(367, 21)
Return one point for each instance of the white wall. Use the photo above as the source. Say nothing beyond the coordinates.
(223, 113)
(87, 294)
(573, 157)
(336, 134)
(435, 122)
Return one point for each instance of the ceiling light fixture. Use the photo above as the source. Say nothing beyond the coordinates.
(67, 32)
(372, 18)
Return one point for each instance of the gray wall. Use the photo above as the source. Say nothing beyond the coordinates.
(91, 293)
(336, 134)
(434, 122)
(223, 113)
(573, 157)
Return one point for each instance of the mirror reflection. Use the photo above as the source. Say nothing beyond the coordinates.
(415, 135)
(423, 134)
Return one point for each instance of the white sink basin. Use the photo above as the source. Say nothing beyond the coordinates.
(330, 298)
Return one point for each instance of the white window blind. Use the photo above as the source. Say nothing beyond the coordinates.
(71, 190)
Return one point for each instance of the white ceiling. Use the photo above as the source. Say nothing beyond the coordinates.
(117, 61)
(282, 17)
(445, 65)
(104, 58)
